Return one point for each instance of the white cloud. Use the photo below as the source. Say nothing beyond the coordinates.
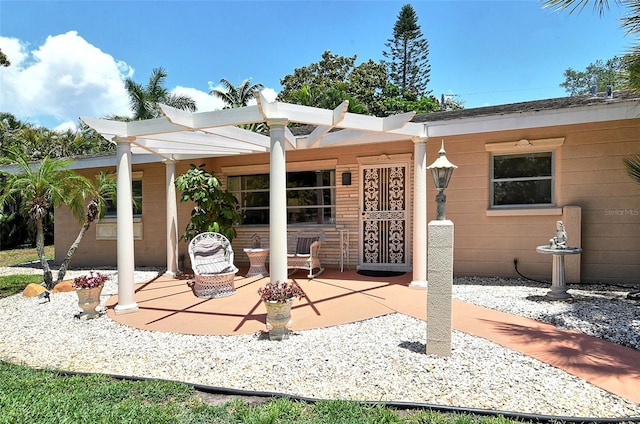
(64, 78)
(204, 101)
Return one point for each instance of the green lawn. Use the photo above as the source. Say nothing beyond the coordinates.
(40, 396)
(19, 256)
(12, 284)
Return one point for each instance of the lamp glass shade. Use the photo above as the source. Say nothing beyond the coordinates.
(441, 177)
(441, 170)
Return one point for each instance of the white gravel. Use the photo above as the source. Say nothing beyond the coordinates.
(379, 359)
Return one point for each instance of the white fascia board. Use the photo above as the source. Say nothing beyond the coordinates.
(357, 137)
(411, 129)
(289, 138)
(239, 134)
(535, 119)
(229, 146)
(111, 161)
(300, 114)
(395, 122)
(317, 133)
(177, 116)
(107, 127)
(226, 117)
(151, 126)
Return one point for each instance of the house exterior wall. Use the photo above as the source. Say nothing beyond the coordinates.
(150, 247)
(598, 202)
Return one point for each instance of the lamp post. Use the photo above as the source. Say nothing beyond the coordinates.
(440, 265)
(441, 170)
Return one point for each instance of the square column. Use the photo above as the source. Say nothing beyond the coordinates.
(439, 290)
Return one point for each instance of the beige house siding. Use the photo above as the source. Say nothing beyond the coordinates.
(599, 203)
(597, 200)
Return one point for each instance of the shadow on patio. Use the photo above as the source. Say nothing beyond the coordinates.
(333, 298)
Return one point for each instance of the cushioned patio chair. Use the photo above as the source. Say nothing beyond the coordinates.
(305, 256)
(212, 262)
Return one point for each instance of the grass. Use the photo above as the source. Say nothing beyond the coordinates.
(20, 256)
(41, 396)
(13, 284)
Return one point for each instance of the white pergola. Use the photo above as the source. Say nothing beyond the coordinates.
(182, 135)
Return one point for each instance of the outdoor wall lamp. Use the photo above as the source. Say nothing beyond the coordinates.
(441, 170)
(346, 178)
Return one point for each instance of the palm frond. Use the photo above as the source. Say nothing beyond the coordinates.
(632, 165)
(600, 6)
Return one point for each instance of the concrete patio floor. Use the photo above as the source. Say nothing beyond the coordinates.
(333, 298)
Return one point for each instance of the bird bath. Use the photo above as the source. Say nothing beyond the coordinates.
(558, 286)
(559, 248)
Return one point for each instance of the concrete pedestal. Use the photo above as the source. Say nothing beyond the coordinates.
(558, 286)
(439, 289)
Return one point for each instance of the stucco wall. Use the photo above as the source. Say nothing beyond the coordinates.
(589, 175)
(598, 201)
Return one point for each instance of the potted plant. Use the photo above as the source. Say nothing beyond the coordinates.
(278, 297)
(88, 288)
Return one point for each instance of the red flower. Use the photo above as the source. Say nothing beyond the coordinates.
(280, 291)
(90, 281)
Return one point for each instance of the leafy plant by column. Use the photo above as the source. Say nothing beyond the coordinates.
(215, 209)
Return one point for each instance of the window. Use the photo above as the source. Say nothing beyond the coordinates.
(311, 197)
(525, 179)
(136, 187)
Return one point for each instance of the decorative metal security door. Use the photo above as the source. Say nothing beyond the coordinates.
(383, 222)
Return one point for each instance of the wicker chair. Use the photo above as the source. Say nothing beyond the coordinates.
(212, 262)
(307, 248)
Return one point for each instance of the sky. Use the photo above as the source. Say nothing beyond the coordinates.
(70, 58)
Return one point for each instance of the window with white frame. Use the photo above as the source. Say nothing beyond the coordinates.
(522, 179)
(311, 197)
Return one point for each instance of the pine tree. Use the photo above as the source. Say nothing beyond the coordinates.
(408, 65)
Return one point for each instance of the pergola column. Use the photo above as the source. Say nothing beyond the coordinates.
(172, 218)
(277, 202)
(419, 213)
(124, 227)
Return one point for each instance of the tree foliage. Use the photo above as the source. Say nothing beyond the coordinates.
(36, 142)
(214, 210)
(630, 22)
(236, 96)
(105, 187)
(334, 79)
(45, 186)
(144, 100)
(408, 64)
(599, 73)
(4, 60)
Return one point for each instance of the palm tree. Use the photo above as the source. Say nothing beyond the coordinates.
(238, 96)
(144, 100)
(629, 22)
(106, 187)
(50, 184)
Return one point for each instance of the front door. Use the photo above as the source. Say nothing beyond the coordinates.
(383, 217)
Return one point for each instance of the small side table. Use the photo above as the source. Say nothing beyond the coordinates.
(558, 286)
(257, 259)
